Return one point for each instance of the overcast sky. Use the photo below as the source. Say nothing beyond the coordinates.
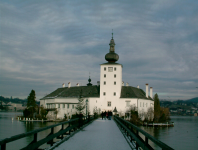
(45, 43)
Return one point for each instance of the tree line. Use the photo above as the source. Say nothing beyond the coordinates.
(156, 115)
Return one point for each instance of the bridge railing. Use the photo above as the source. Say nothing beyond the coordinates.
(73, 125)
(133, 132)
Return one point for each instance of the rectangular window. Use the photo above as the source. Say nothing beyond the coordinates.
(114, 83)
(58, 105)
(114, 68)
(127, 103)
(104, 68)
(104, 93)
(67, 105)
(72, 106)
(109, 104)
(114, 93)
(104, 75)
(114, 75)
(140, 104)
(104, 82)
(63, 105)
(110, 69)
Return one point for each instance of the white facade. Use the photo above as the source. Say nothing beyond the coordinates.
(112, 93)
(110, 85)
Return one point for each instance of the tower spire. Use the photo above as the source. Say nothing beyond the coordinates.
(112, 57)
(89, 80)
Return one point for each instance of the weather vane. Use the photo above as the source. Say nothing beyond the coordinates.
(112, 33)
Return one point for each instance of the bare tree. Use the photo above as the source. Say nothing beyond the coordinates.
(141, 114)
(95, 110)
(120, 113)
(55, 113)
(133, 114)
(150, 114)
(80, 106)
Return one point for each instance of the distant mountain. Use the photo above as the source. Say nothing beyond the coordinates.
(193, 100)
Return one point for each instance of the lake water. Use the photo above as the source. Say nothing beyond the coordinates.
(10, 128)
(183, 136)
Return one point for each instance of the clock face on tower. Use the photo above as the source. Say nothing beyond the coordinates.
(110, 69)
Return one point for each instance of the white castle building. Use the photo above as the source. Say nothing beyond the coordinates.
(109, 94)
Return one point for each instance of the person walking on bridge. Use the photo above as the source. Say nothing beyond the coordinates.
(102, 114)
(109, 114)
(105, 114)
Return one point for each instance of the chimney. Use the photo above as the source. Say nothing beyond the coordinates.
(63, 85)
(77, 84)
(127, 84)
(122, 83)
(98, 83)
(138, 86)
(147, 90)
(151, 92)
(69, 85)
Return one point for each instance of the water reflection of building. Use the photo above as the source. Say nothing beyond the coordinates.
(108, 94)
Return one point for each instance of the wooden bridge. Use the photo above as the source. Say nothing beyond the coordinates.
(90, 133)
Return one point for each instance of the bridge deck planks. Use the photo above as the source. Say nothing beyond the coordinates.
(101, 134)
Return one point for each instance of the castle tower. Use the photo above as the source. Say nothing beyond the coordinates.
(110, 79)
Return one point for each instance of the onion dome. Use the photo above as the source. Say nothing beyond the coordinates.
(112, 56)
(89, 80)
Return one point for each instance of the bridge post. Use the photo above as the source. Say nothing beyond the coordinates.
(35, 138)
(3, 146)
(126, 130)
(51, 142)
(131, 129)
(137, 134)
(62, 129)
(146, 140)
(69, 126)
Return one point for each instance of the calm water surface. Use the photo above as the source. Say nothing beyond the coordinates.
(10, 128)
(183, 136)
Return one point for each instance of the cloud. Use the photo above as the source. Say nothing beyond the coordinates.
(46, 44)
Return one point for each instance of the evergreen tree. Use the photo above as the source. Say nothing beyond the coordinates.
(156, 108)
(80, 106)
(31, 100)
(31, 103)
